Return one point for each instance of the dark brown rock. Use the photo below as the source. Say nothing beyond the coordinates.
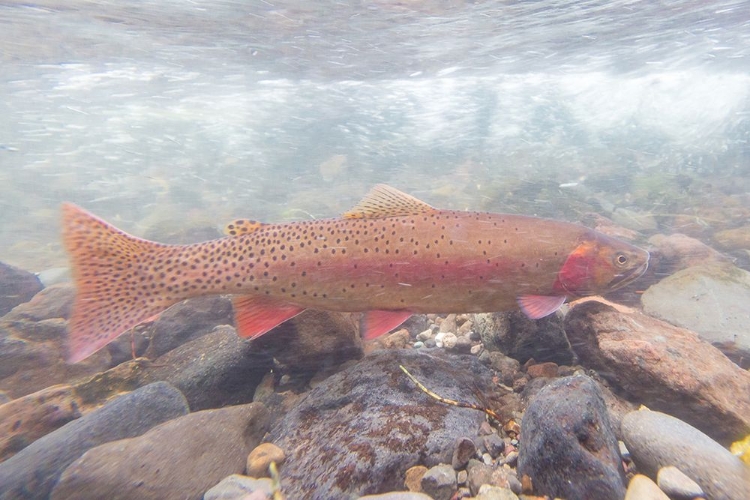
(18, 286)
(313, 341)
(548, 369)
(665, 367)
(569, 447)
(179, 459)
(522, 338)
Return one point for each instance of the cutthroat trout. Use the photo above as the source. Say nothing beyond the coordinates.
(390, 256)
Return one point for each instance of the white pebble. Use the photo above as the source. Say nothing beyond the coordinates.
(449, 340)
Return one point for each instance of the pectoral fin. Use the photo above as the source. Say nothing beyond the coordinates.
(539, 306)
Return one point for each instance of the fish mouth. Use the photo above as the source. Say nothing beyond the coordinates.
(628, 277)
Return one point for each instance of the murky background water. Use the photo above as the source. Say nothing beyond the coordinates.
(166, 115)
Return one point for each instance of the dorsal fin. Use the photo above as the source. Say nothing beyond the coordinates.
(385, 201)
(242, 226)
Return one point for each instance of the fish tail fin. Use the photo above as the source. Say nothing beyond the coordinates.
(114, 284)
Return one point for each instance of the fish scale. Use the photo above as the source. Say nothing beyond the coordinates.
(391, 256)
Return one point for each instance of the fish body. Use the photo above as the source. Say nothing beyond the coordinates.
(390, 256)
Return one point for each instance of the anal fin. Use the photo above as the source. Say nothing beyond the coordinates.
(376, 323)
(254, 316)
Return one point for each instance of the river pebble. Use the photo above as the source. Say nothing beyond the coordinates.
(657, 440)
(675, 483)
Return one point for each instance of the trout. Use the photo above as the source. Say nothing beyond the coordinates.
(389, 257)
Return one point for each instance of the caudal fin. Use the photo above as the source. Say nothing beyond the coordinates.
(116, 287)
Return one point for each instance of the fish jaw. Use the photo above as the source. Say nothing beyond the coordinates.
(600, 264)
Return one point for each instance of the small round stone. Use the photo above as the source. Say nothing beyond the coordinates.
(675, 483)
(643, 488)
(261, 457)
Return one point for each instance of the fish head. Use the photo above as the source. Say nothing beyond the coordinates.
(600, 264)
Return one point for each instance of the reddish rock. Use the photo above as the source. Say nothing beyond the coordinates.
(26, 419)
(548, 370)
(665, 367)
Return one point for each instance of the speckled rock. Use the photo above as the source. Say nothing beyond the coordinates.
(479, 474)
(361, 429)
(237, 487)
(522, 338)
(663, 366)
(569, 447)
(261, 457)
(643, 488)
(33, 471)
(439, 482)
(711, 300)
(656, 440)
(18, 286)
(179, 459)
(26, 419)
(507, 368)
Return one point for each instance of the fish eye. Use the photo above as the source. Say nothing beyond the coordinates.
(621, 259)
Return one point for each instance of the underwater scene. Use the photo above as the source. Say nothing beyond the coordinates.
(386, 249)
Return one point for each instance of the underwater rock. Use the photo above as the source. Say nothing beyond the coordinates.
(733, 239)
(259, 460)
(508, 368)
(26, 419)
(439, 482)
(33, 345)
(522, 338)
(33, 472)
(678, 251)
(663, 366)
(53, 302)
(313, 341)
(677, 484)
(18, 286)
(179, 459)
(361, 429)
(548, 369)
(711, 300)
(656, 440)
(643, 488)
(186, 321)
(214, 370)
(569, 447)
(237, 487)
